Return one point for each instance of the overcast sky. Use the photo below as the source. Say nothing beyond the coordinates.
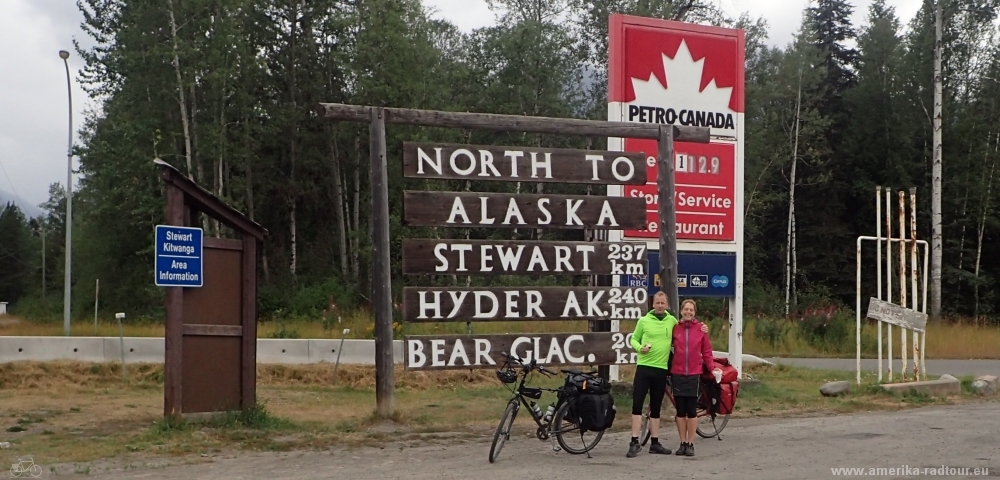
(33, 103)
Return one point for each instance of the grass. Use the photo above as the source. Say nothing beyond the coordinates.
(70, 414)
(761, 336)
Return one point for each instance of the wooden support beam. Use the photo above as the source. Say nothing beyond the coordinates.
(174, 329)
(381, 272)
(668, 219)
(512, 123)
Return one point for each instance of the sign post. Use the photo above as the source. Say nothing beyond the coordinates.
(512, 211)
(671, 73)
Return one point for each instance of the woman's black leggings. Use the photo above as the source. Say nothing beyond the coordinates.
(649, 380)
(686, 407)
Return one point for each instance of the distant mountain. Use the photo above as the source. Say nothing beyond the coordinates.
(28, 208)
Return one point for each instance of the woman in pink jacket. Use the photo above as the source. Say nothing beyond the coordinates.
(691, 354)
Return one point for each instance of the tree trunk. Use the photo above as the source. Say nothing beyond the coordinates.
(338, 203)
(355, 265)
(181, 101)
(790, 241)
(987, 200)
(249, 193)
(936, 245)
(292, 191)
(219, 169)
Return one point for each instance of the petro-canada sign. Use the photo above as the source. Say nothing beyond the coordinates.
(675, 73)
(682, 74)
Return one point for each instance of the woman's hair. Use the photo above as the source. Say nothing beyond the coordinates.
(692, 302)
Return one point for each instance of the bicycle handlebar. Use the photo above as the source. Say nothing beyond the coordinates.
(527, 366)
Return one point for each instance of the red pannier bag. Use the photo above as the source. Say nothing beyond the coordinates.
(729, 373)
(727, 400)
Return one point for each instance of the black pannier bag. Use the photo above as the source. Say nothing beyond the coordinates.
(596, 412)
(580, 383)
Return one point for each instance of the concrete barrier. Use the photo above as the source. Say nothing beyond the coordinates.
(946, 385)
(137, 350)
(84, 349)
(295, 351)
(355, 352)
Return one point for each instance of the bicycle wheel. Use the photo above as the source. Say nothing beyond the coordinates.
(503, 430)
(644, 432)
(35, 471)
(711, 428)
(562, 426)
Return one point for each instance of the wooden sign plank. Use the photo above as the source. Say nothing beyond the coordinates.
(453, 352)
(500, 257)
(522, 164)
(505, 210)
(896, 315)
(449, 304)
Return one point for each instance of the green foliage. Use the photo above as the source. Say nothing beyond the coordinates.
(828, 329)
(771, 330)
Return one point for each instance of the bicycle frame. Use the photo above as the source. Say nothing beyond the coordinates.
(519, 393)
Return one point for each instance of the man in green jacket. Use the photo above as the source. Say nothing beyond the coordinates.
(651, 339)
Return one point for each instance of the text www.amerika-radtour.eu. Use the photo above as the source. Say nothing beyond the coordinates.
(905, 470)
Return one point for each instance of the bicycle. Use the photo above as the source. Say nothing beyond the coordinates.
(559, 414)
(704, 403)
(22, 467)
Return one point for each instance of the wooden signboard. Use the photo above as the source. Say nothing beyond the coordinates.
(449, 304)
(453, 352)
(505, 210)
(896, 315)
(522, 164)
(505, 257)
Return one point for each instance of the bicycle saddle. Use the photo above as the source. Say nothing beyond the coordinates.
(576, 371)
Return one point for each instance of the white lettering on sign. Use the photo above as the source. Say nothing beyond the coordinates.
(180, 237)
(510, 257)
(457, 356)
(534, 303)
(423, 158)
(625, 303)
(685, 199)
(593, 159)
(512, 211)
(513, 155)
(537, 164)
(622, 161)
(459, 213)
(171, 248)
(459, 152)
(530, 348)
(571, 217)
(480, 296)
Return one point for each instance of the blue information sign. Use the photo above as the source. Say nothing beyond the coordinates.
(178, 256)
(698, 275)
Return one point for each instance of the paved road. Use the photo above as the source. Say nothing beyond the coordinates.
(957, 368)
(959, 436)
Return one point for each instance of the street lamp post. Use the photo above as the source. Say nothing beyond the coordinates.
(63, 54)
